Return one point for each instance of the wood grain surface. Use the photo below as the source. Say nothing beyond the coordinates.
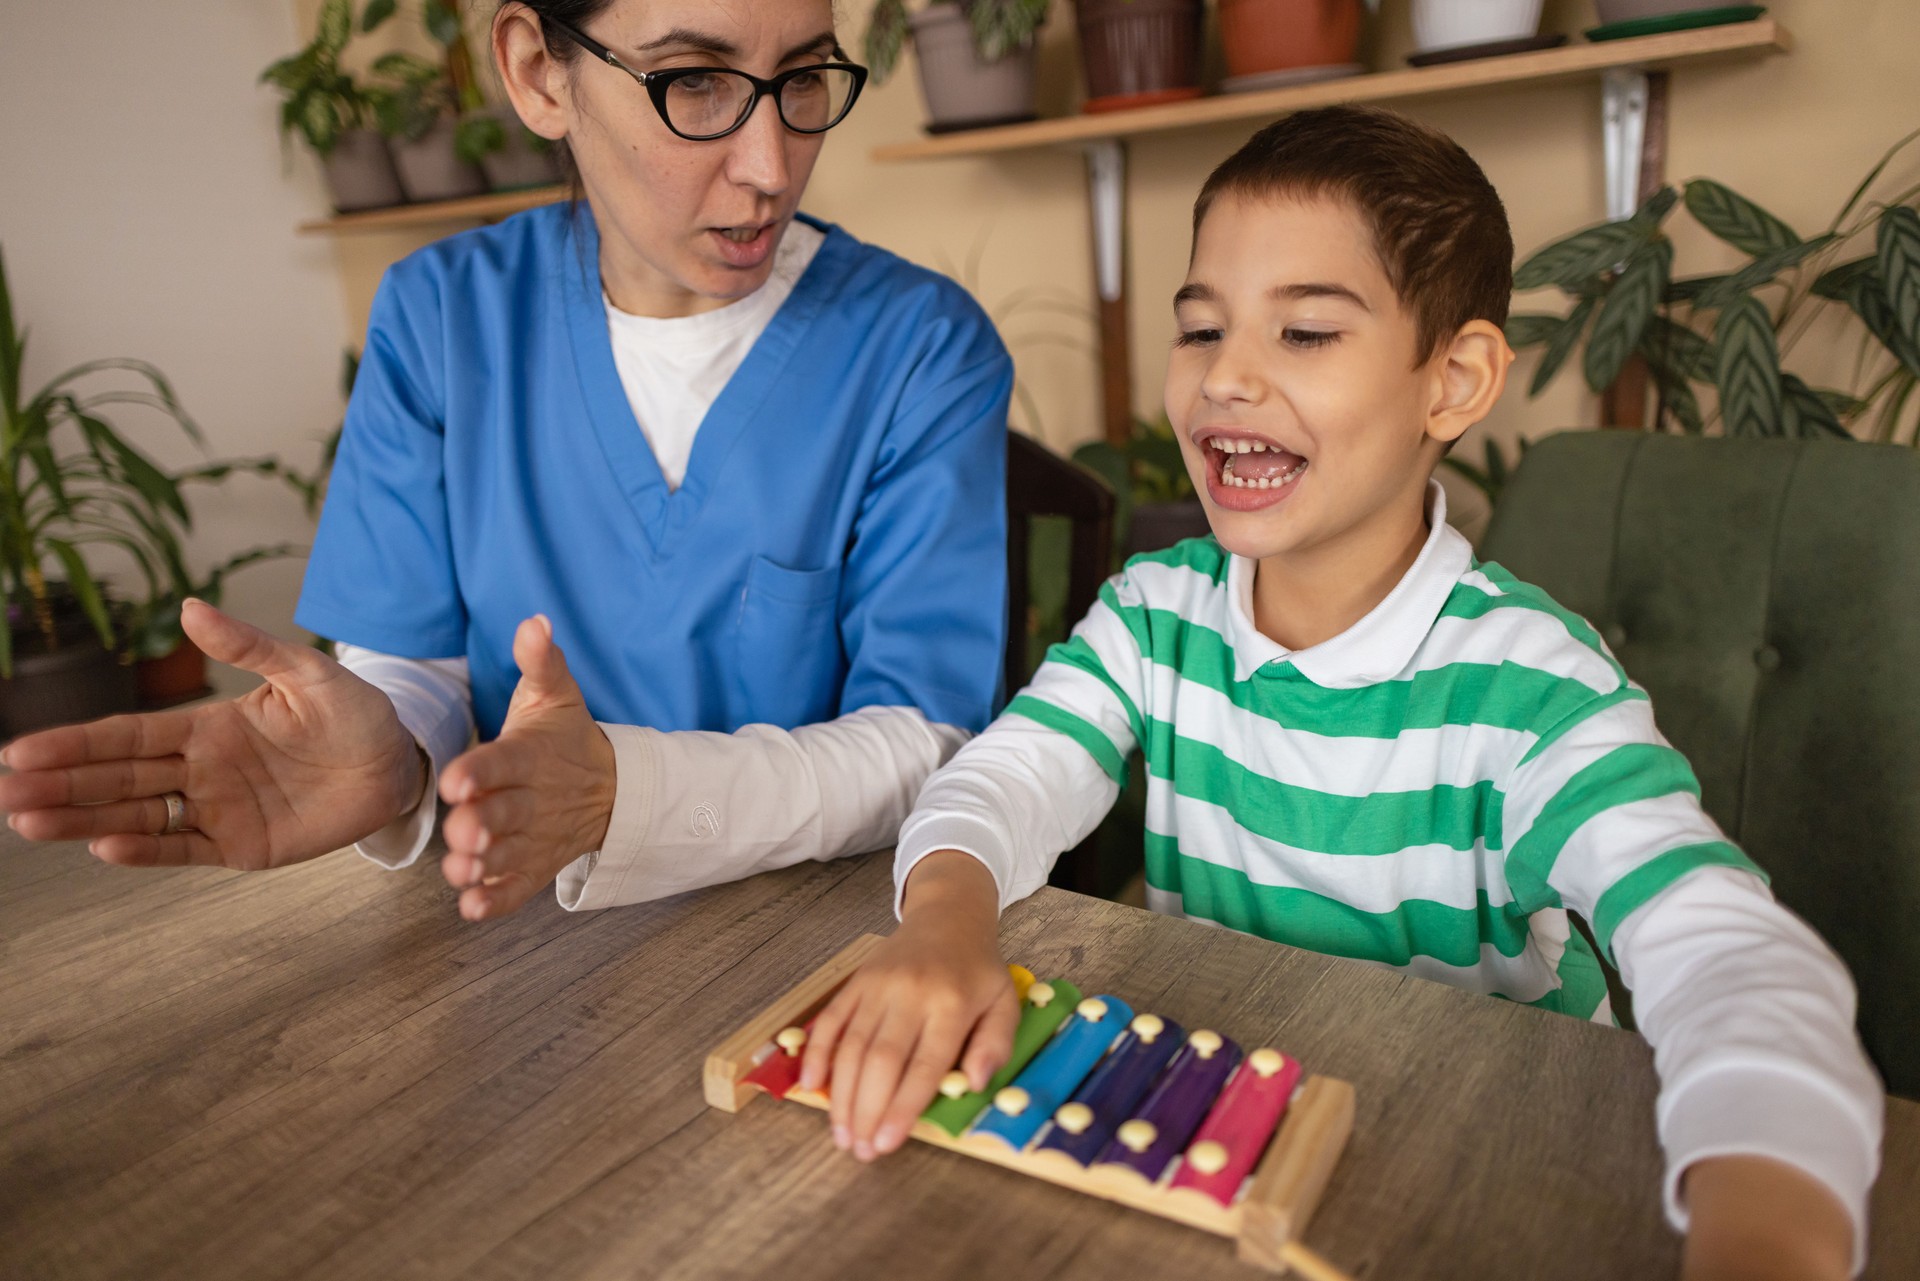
(322, 1073)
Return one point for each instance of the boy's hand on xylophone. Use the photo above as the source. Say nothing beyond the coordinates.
(899, 1024)
(1756, 1219)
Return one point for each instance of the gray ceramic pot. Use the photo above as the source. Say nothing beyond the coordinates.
(430, 171)
(962, 89)
(360, 173)
(519, 164)
(1612, 11)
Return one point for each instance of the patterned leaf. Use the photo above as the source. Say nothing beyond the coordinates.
(336, 25)
(1655, 209)
(1748, 369)
(1691, 288)
(1624, 315)
(442, 22)
(1737, 220)
(886, 37)
(1668, 345)
(1561, 344)
(1899, 244)
(1759, 272)
(1677, 398)
(1530, 329)
(1837, 282)
(1576, 260)
(1869, 301)
(1805, 412)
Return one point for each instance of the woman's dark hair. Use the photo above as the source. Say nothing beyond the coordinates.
(575, 13)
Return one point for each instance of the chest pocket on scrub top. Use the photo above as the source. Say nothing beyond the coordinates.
(788, 662)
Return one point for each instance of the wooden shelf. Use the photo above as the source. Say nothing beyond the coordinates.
(471, 209)
(1760, 37)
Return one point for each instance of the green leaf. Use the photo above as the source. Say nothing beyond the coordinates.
(1576, 260)
(407, 68)
(1625, 313)
(1677, 398)
(85, 590)
(443, 22)
(1691, 288)
(154, 485)
(10, 349)
(335, 26)
(1669, 345)
(1654, 210)
(1496, 465)
(1805, 412)
(1899, 245)
(1737, 220)
(1872, 175)
(885, 39)
(1868, 299)
(1748, 369)
(1561, 346)
(1759, 272)
(477, 137)
(1838, 282)
(1531, 329)
(376, 12)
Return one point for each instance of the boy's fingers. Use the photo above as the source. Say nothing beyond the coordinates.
(848, 1057)
(992, 1041)
(932, 1059)
(880, 1070)
(818, 1056)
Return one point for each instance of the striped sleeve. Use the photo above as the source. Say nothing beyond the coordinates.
(1603, 814)
(1093, 686)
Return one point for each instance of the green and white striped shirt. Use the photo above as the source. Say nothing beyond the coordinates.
(1432, 789)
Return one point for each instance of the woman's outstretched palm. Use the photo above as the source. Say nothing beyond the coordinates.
(311, 761)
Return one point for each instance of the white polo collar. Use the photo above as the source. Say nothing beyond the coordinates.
(1380, 645)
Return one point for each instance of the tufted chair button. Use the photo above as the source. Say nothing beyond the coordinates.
(1767, 658)
(1614, 635)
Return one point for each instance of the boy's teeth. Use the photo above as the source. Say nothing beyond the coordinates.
(1277, 482)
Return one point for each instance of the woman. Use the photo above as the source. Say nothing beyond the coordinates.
(747, 471)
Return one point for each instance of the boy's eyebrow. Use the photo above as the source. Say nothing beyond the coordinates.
(1317, 289)
(1194, 291)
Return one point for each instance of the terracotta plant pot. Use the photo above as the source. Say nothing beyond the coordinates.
(519, 164)
(429, 169)
(1139, 52)
(962, 89)
(1454, 24)
(1278, 35)
(360, 173)
(177, 678)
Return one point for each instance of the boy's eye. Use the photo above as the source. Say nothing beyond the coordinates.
(1197, 337)
(1310, 338)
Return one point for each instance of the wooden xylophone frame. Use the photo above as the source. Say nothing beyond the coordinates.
(1266, 1220)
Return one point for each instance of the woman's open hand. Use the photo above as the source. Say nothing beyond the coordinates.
(311, 761)
(534, 799)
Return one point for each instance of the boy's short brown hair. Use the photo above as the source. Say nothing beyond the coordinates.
(1438, 224)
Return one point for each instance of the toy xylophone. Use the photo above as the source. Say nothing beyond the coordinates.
(1096, 1097)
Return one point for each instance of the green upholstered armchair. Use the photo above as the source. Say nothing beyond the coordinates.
(1766, 593)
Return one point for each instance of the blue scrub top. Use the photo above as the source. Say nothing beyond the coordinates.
(839, 540)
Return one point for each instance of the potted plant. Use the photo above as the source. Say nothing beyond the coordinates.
(434, 113)
(1727, 334)
(1155, 504)
(336, 115)
(71, 487)
(1272, 42)
(1139, 52)
(976, 57)
(1450, 24)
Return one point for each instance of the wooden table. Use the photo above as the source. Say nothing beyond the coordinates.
(322, 1072)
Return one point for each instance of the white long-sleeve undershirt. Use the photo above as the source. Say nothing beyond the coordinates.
(690, 809)
(1749, 1013)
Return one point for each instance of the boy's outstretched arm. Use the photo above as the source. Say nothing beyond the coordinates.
(900, 1023)
(1757, 1219)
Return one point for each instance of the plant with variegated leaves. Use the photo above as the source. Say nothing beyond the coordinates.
(1730, 332)
(320, 100)
(1000, 27)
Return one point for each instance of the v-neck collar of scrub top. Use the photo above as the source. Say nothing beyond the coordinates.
(1380, 645)
(664, 513)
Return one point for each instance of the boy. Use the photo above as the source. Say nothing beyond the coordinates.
(1361, 741)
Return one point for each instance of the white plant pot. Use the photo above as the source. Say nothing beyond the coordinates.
(1450, 24)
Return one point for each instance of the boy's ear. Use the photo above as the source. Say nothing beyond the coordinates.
(1469, 374)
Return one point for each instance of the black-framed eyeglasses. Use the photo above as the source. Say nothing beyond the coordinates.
(704, 103)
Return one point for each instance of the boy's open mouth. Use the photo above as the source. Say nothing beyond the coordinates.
(1245, 471)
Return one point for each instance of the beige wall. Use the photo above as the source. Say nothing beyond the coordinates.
(145, 211)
